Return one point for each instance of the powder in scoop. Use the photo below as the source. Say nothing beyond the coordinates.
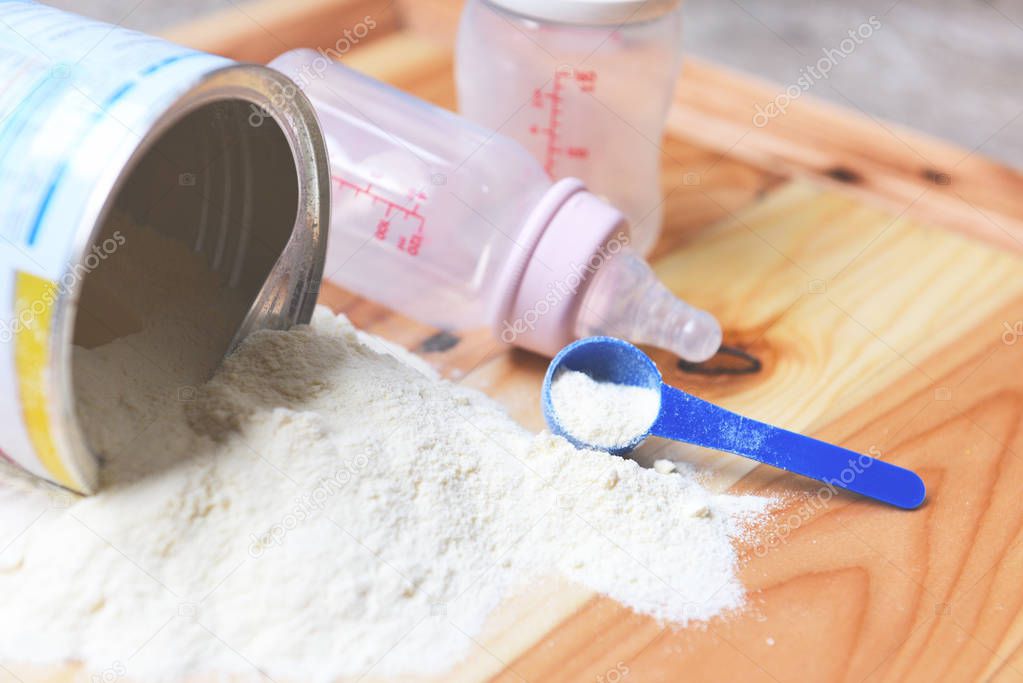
(327, 507)
(603, 414)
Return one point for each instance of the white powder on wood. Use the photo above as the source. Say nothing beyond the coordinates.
(603, 414)
(322, 508)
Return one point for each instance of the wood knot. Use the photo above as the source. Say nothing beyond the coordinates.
(936, 177)
(729, 360)
(843, 174)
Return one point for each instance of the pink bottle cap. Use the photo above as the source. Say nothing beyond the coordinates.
(577, 233)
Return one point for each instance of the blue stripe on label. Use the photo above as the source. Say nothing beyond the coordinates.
(33, 234)
(159, 65)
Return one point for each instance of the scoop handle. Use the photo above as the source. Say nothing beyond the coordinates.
(690, 419)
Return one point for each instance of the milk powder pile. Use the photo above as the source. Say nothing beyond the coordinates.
(327, 507)
(603, 413)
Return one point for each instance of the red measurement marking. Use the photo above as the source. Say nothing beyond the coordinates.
(587, 80)
(554, 100)
(552, 123)
(538, 98)
(410, 242)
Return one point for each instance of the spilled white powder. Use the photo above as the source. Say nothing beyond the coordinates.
(603, 414)
(327, 507)
(664, 466)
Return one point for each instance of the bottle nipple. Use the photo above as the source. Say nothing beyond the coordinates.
(627, 300)
(582, 278)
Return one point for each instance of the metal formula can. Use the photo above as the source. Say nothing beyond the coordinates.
(96, 120)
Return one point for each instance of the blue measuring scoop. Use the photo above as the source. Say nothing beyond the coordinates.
(684, 417)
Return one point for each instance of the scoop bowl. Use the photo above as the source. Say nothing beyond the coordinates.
(605, 359)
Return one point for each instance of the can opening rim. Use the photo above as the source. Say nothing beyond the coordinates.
(289, 293)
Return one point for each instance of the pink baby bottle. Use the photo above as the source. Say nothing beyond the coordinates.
(459, 227)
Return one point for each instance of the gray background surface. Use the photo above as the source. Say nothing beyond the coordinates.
(952, 68)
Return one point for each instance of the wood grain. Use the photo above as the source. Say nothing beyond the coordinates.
(877, 327)
(855, 592)
(257, 31)
(907, 361)
(879, 161)
(714, 109)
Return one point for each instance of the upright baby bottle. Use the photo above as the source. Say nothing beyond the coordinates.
(458, 227)
(584, 85)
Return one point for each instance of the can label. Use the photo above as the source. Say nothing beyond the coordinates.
(78, 96)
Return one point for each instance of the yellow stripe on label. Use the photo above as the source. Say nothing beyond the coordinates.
(34, 298)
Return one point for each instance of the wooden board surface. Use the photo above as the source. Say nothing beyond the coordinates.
(879, 328)
(878, 276)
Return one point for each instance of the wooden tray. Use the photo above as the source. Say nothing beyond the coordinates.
(877, 274)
